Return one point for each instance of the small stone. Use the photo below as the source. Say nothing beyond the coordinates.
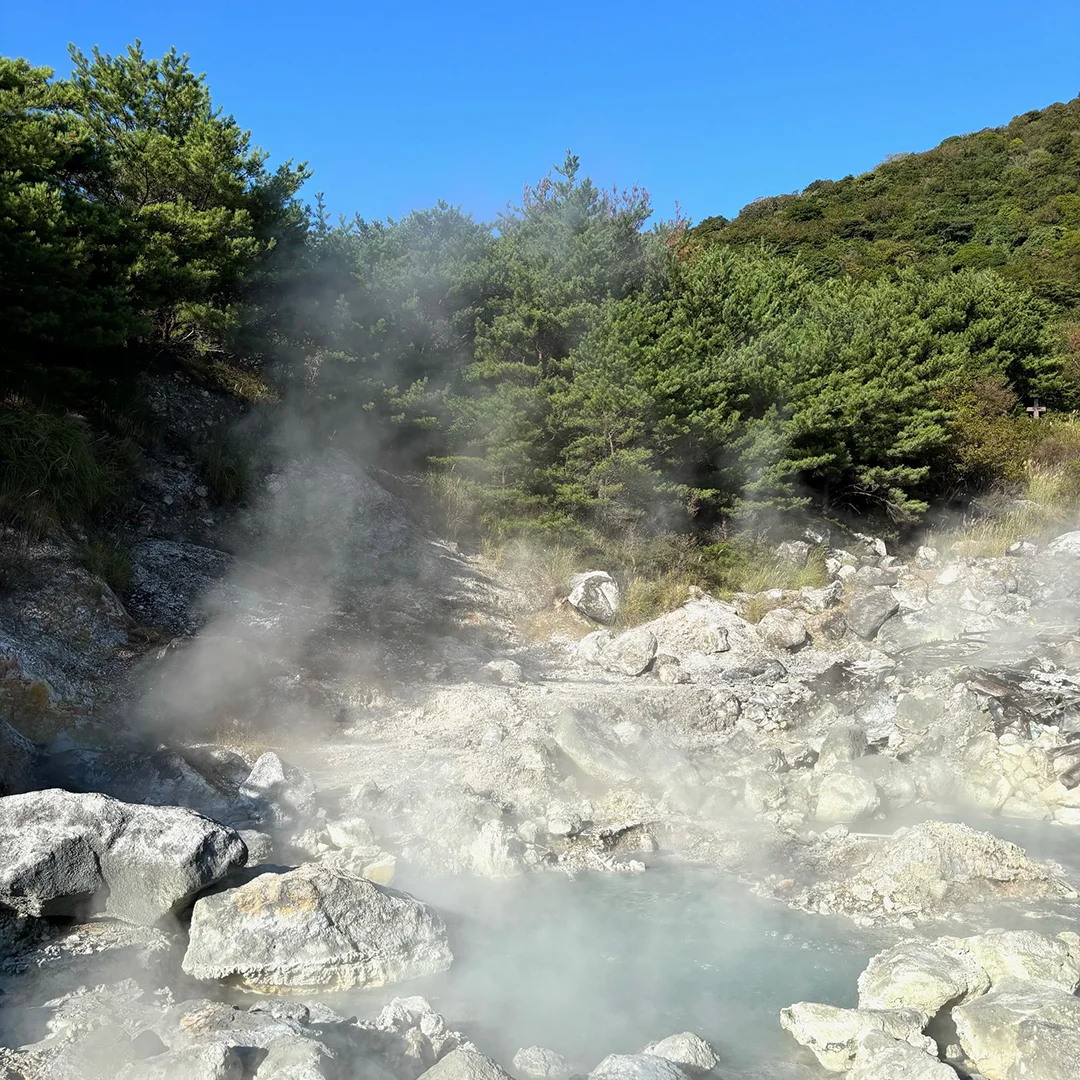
(782, 629)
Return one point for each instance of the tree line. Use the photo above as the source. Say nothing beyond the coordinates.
(571, 363)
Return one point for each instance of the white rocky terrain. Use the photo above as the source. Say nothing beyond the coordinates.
(213, 792)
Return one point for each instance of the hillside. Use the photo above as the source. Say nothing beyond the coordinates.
(1006, 197)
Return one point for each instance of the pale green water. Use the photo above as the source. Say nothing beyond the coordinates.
(607, 963)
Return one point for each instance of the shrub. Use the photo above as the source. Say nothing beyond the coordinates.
(106, 559)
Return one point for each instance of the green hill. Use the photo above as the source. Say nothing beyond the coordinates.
(1006, 198)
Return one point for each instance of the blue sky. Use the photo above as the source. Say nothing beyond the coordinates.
(398, 105)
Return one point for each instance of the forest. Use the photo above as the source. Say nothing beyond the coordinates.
(867, 347)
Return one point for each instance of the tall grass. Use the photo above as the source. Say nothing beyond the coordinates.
(223, 468)
(55, 469)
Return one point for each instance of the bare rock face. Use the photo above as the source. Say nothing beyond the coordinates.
(314, 929)
(880, 1057)
(63, 849)
(870, 610)
(538, 1063)
(595, 594)
(19, 759)
(920, 975)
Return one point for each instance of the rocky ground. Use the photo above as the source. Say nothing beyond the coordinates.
(216, 786)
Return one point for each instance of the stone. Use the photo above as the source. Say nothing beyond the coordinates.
(213, 1062)
(537, 1063)
(595, 594)
(990, 1027)
(870, 610)
(880, 1057)
(689, 1051)
(313, 929)
(843, 743)
(465, 1064)
(1045, 1051)
(299, 1058)
(917, 710)
(1021, 954)
(869, 576)
(630, 653)
(920, 975)
(591, 647)
(19, 761)
(505, 671)
(794, 552)
(834, 1034)
(781, 628)
(636, 1067)
(816, 601)
(350, 832)
(281, 795)
(616, 754)
(926, 558)
(62, 849)
(846, 797)
(1066, 544)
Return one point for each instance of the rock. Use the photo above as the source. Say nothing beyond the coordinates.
(591, 647)
(505, 671)
(282, 795)
(920, 975)
(350, 832)
(636, 1067)
(536, 1063)
(919, 709)
(816, 601)
(833, 1034)
(846, 797)
(1045, 1051)
(1066, 544)
(162, 778)
(687, 1050)
(1021, 954)
(463, 1064)
(19, 760)
(630, 653)
(314, 929)
(62, 849)
(595, 594)
(616, 753)
(868, 576)
(298, 1058)
(669, 671)
(215, 1062)
(926, 558)
(794, 552)
(781, 628)
(870, 610)
(843, 743)
(880, 1057)
(990, 1027)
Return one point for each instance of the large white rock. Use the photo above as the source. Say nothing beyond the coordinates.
(880, 1057)
(1021, 954)
(687, 1050)
(844, 797)
(636, 1067)
(61, 850)
(991, 1027)
(781, 628)
(834, 1034)
(920, 975)
(314, 929)
(595, 593)
(630, 653)
(465, 1064)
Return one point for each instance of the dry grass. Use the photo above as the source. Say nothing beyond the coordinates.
(1048, 501)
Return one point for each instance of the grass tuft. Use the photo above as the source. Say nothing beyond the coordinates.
(223, 469)
(107, 560)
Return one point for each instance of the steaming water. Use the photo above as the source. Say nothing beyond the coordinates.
(607, 963)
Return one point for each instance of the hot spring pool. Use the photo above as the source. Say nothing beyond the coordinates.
(606, 963)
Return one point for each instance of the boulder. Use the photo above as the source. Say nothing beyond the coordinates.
(214, 1062)
(1021, 954)
(816, 601)
(1046, 1051)
(920, 975)
(161, 778)
(299, 1058)
(537, 1063)
(794, 552)
(280, 795)
(868, 576)
(1066, 544)
(990, 1027)
(842, 743)
(845, 797)
(834, 1034)
(616, 753)
(781, 628)
(880, 1057)
(869, 611)
(630, 653)
(314, 929)
(689, 1051)
(465, 1064)
(63, 849)
(591, 647)
(19, 760)
(595, 594)
(636, 1067)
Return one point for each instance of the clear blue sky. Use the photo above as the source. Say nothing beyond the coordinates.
(396, 105)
